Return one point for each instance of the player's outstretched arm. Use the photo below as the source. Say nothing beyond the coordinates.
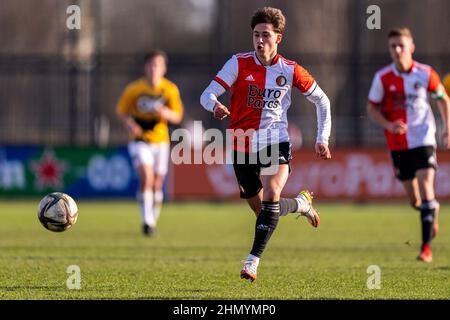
(221, 83)
(444, 109)
(323, 112)
(209, 100)
(169, 115)
(133, 128)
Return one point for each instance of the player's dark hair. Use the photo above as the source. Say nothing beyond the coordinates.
(400, 31)
(270, 15)
(156, 53)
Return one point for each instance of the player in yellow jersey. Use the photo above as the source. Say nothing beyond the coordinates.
(146, 107)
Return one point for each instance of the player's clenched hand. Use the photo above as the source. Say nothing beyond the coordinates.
(220, 111)
(397, 127)
(323, 151)
(135, 129)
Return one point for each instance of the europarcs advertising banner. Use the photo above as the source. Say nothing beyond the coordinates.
(81, 172)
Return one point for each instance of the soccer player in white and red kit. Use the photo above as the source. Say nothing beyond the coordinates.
(398, 102)
(261, 82)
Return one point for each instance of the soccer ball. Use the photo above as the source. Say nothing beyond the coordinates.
(57, 212)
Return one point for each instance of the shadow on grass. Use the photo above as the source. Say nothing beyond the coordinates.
(442, 268)
(14, 288)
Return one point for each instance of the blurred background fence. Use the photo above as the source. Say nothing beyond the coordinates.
(59, 87)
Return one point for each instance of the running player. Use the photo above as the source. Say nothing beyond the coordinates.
(146, 107)
(398, 102)
(261, 82)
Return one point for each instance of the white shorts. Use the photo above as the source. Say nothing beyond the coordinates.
(153, 154)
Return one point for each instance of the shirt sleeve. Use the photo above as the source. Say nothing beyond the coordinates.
(376, 93)
(303, 80)
(208, 99)
(323, 112)
(174, 100)
(434, 81)
(228, 74)
(125, 102)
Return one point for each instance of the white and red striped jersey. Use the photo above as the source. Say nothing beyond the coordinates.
(404, 96)
(261, 95)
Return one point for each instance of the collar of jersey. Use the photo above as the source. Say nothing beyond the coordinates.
(398, 73)
(274, 61)
(147, 83)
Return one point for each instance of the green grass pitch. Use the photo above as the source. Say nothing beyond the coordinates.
(200, 246)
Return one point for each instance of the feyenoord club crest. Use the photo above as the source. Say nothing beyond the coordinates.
(281, 80)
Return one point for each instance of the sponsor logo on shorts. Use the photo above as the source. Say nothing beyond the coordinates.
(432, 160)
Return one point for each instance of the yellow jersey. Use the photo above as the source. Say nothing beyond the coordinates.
(140, 99)
(447, 83)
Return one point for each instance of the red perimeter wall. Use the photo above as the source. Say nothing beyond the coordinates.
(364, 174)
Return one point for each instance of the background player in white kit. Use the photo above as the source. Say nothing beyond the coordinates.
(261, 83)
(398, 102)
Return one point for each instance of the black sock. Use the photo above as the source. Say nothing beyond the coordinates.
(287, 206)
(427, 210)
(265, 225)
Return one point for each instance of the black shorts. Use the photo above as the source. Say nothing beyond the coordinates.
(407, 162)
(247, 166)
